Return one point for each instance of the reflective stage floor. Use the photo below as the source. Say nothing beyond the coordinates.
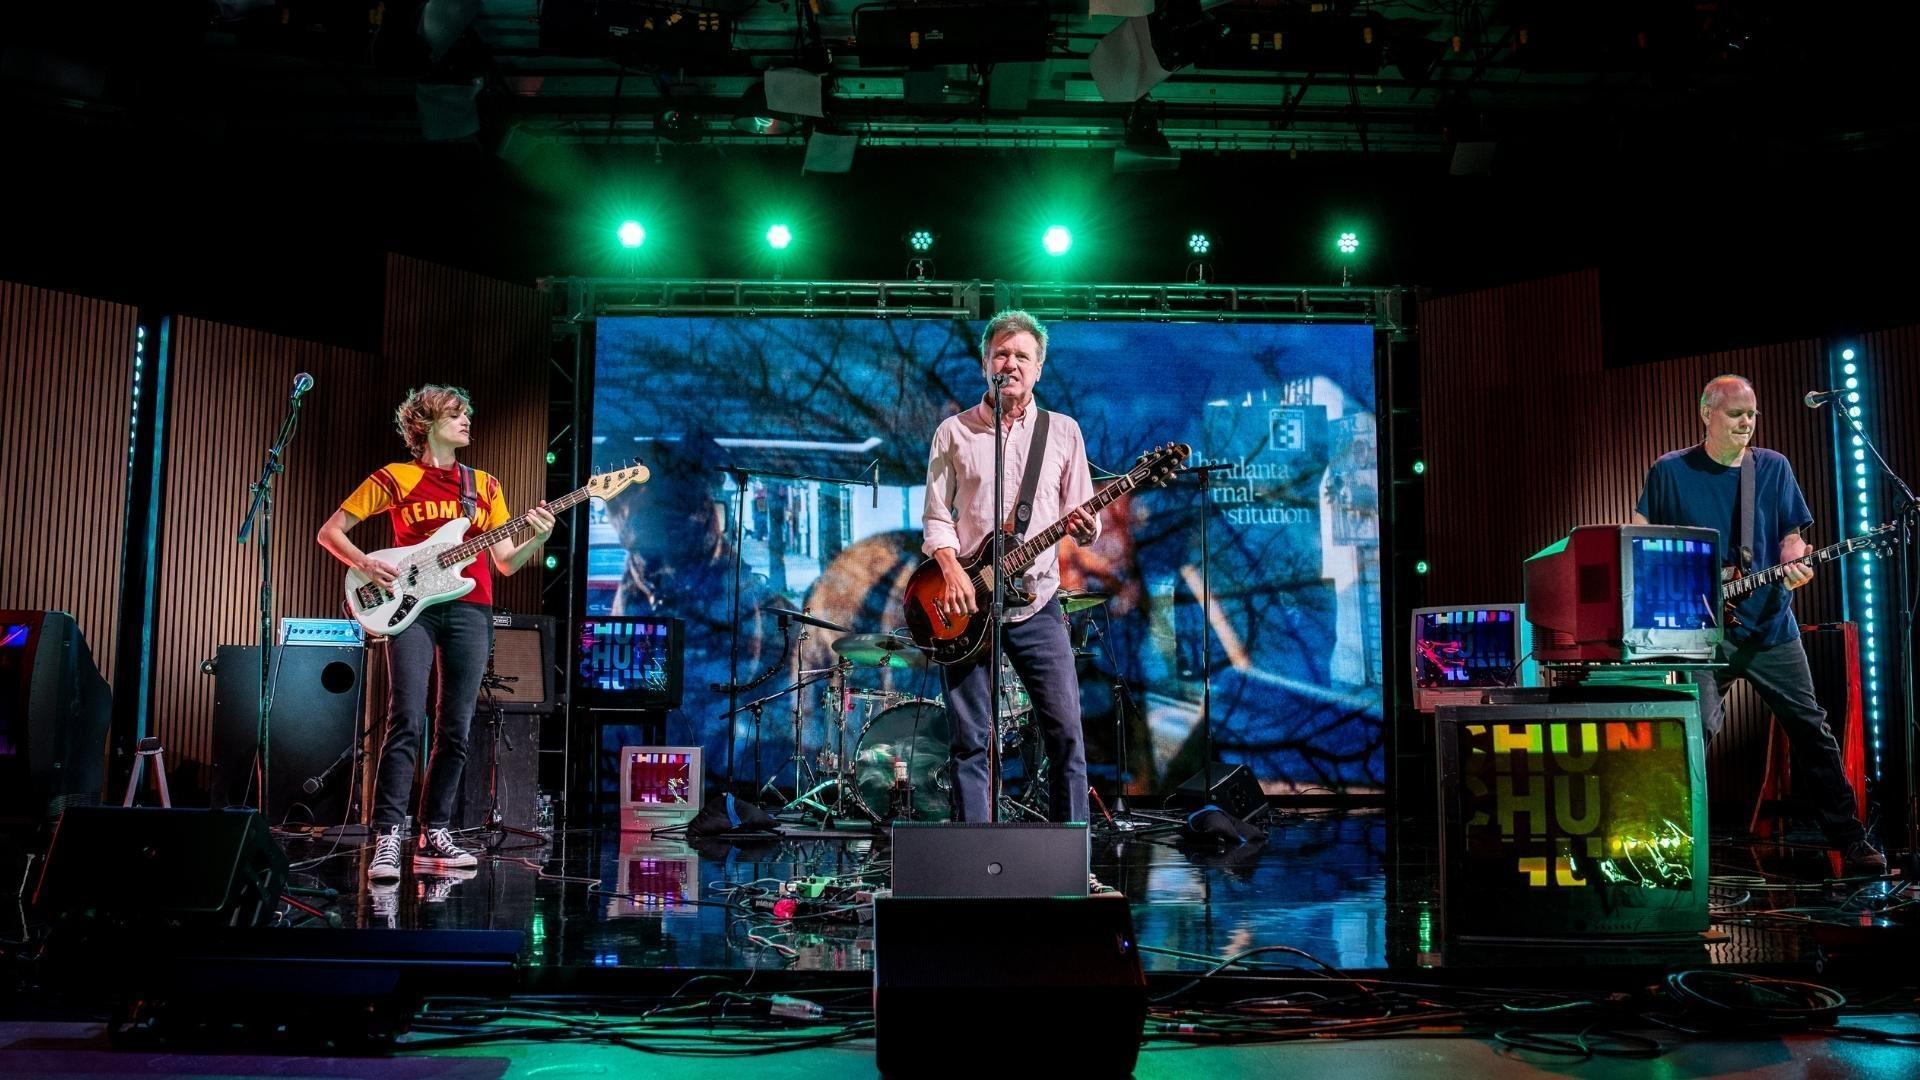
(1351, 888)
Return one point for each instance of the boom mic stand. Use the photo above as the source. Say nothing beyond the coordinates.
(497, 827)
(262, 509)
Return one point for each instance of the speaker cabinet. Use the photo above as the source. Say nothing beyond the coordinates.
(1230, 787)
(316, 710)
(1024, 859)
(54, 713)
(948, 970)
(523, 658)
(150, 867)
(503, 759)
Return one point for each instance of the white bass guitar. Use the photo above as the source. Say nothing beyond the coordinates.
(430, 571)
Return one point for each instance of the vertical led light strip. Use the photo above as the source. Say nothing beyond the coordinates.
(1858, 509)
(139, 364)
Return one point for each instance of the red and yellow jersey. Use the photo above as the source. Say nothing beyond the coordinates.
(419, 499)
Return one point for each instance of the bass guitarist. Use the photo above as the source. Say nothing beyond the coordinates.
(420, 496)
(960, 514)
(1703, 486)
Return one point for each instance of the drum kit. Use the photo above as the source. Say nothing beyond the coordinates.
(899, 768)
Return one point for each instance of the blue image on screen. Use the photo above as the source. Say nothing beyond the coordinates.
(1291, 636)
(1674, 582)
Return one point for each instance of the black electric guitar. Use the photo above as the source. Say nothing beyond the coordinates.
(1734, 584)
(950, 637)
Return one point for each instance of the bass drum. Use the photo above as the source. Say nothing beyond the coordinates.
(917, 733)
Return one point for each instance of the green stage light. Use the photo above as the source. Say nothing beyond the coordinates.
(1846, 354)
(1421, 567)
(1419, 468)
(920, 240)
(552, 562)
(1199, 244)
(552, 458)
(632, 235)
(1057, 240)
(1349, 243)
(779, 237)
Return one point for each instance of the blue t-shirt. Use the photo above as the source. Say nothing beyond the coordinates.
(1686, 487)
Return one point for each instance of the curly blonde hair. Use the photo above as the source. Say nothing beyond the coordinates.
(425, 406)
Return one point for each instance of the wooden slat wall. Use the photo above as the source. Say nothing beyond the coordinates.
(229, 394)
(1527, 434)
(66, 380)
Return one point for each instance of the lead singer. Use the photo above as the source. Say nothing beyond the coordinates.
(960, 514)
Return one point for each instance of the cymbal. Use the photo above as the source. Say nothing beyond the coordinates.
(1071, 602)
(803, 617)
(880, 650)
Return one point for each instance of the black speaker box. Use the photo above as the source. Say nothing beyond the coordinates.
(1230, 787)
(316, 712)
(147, 866)
(1011, 859)
(54, 713)
(946, 967)
(516, 741)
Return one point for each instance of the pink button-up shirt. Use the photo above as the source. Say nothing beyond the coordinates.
(959, 508)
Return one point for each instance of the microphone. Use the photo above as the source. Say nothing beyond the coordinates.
(1817, 398)
(999, 379)
(874, 484)
(312, 784)
(302, 383)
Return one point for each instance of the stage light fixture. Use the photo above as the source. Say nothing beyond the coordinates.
(632, 235)
(1057, 240)
(920, 240)
(552, 562)
(553, 458)
(1419, 468)
(1199, 244)
(1348, 243)
(779, 237)
(1421, 567)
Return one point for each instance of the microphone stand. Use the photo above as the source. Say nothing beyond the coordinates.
(1904, 621)
(262, 509)
(734, 685)
(997, 608)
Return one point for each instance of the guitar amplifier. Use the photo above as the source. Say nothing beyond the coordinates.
(523, 656)
(321, 632)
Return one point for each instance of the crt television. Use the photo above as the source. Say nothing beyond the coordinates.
(1574, 814)
(628, 662)
(1626, 594)
(1461, 651)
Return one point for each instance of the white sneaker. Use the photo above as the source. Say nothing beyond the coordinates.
(386, 856)
(437, 851)
(435, 888)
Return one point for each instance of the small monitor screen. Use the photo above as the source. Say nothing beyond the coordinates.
(1465, 649)
(628, 661)
(1675, 582)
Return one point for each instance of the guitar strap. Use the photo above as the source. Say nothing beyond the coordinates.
(469, 492)
(1023, 510)
(1743, 544)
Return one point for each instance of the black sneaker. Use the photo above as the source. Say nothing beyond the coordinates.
(1863, 858)
(386, 856)
(437, 851)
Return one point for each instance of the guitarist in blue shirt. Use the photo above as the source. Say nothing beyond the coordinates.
(1700, 486)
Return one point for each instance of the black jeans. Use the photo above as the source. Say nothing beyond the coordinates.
(462, 635)
(1779, 673)
(1043, 656)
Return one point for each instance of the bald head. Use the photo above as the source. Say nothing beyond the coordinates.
(1719, 387)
